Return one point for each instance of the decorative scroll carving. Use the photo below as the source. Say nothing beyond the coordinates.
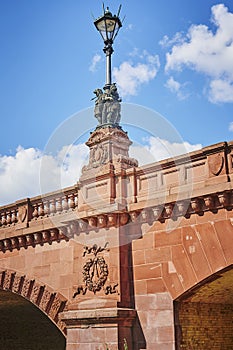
(35, 295)
(94, 249)
(56, 307)
(17, 284)
(45, 300)
(95, 272)
(26, 290)
(111, 289)
(7, 280)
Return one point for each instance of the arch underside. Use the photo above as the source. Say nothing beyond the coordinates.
(49, 302)
(203, 315)
(24, 326)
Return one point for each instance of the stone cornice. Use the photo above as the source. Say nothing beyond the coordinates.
(123, 316)
(212, 202)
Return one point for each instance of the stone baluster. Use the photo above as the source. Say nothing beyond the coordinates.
(52, 206)
(76, 199)
(72, 201)
(59, 204)
(8, 219)
(4, 221)
(46, 207)
(41, 209)
(14, 216)
(65, 205)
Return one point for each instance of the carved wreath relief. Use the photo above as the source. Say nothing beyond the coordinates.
(95, 272)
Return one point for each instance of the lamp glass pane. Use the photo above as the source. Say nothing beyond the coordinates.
(111, 25)
(101, 25)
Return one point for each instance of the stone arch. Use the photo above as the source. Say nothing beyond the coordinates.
(203, 314)
(49, 302)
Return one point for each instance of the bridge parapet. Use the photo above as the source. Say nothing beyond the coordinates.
(120, 192)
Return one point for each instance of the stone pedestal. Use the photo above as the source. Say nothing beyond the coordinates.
(101, 187)
(102, 310)
(98, 328)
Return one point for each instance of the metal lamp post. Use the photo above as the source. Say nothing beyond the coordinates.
(108, 25)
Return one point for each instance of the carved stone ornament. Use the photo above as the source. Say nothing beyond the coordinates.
(216, 163)
(98, 156)
(22, 213)
(95, 272)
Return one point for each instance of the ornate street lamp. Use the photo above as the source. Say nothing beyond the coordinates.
(107, 102)
(108, 25)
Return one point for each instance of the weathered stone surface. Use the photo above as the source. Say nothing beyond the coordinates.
(106, 258)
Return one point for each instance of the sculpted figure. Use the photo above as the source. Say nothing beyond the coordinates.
(98, 105)
(107, 105)
(112, 106)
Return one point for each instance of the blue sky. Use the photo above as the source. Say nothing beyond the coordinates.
(174, 57)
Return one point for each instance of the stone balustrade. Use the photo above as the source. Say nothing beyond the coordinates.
(50, 206)
(8, 215)
(38, 207)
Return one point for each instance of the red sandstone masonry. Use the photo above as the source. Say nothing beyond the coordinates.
(160, 246)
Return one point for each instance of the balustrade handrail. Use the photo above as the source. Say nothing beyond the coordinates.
(50, 203)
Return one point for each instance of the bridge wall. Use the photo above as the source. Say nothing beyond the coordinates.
(105, 259)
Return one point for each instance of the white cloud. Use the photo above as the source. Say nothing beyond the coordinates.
(158, 149)
(209, 52)
(221, 90)
(231, 126)
(177, 38)
(176, 87)
(21, 174)
(95, 60)
(130, 76)
(129, 26)
(30, 172)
